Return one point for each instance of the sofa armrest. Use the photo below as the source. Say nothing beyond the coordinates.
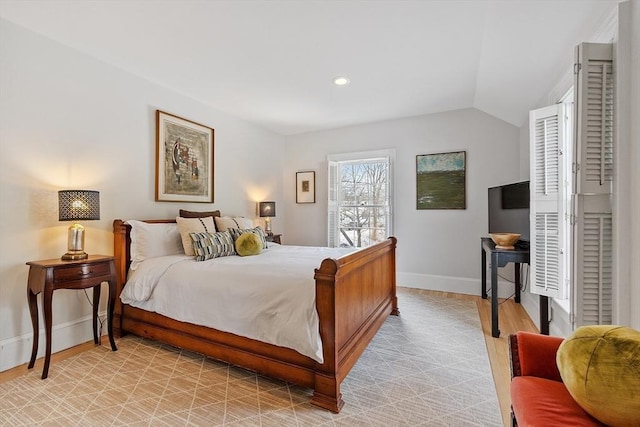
(534, 355)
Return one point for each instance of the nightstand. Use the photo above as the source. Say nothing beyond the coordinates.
(48, 275)
(275, 238)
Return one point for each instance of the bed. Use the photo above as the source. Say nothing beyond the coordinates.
(354, 294)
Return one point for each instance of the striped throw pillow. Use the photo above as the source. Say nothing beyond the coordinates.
(212, 245)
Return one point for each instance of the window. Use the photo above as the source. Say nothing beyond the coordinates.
(360, 195)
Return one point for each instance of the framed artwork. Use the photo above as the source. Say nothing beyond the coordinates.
(440, 180)
(184, 160)
(306, 187)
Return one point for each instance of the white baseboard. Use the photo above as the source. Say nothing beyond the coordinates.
(459, 285)
(560, 324)
(16, 351)
(531, 304)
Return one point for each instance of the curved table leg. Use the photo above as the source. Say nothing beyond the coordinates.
(110, 307)
(96, 303)
(48, 320)
(33, 310)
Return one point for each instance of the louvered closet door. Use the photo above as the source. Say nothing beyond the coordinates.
(594, 119)
(593, 237)
(594, 259)
(547, 190)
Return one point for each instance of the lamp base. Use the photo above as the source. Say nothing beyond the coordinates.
(75, 244)
(75, 255)
(267, 226)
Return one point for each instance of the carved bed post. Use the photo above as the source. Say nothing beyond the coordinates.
(121, 245)
(327, 393)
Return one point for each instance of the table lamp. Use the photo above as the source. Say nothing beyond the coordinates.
(267, 211)
(77, 205)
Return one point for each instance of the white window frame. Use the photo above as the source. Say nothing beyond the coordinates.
(333, 190)
(568, 100)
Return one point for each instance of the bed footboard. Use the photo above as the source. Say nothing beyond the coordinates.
(354, 296)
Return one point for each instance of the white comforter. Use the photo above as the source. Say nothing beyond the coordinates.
(268, 297)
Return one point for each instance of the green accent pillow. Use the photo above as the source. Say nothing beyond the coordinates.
(600, 366)
(248, 244)
(237, 232)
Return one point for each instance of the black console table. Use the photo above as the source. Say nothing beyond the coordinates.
(500, 258)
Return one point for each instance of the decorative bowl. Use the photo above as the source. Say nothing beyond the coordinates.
(504, 240)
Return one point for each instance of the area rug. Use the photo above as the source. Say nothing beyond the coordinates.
(429, 366)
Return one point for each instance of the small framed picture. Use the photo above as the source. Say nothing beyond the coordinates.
(306, 187)
(184, 160)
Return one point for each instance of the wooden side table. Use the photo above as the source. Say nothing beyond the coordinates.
(48, 275)
(275, 238)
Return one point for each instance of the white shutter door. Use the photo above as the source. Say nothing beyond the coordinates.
(547, 207)
(594, 118)
(593, 236)
(333, 223)
(594, 259)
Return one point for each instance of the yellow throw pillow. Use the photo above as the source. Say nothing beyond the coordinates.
(600, 366)
(248, 244)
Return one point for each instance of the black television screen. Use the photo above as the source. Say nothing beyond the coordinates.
(509, 209)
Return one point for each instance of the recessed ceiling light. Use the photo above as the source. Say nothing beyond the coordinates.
(341, 81)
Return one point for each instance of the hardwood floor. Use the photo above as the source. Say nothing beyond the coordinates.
(512, 318)
(10, 374)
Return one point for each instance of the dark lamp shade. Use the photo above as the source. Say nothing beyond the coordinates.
(267, 209)
(77, 205)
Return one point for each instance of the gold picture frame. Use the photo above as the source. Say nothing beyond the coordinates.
(184, 160)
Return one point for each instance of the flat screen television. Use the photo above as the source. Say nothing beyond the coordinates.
(509, 209)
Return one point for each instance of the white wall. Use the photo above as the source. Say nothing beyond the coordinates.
(627, 182)
(68, 120)
(437, 249)
(634, 140)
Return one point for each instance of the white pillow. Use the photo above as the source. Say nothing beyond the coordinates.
(153, 240)
(193, 225)
(223, 223)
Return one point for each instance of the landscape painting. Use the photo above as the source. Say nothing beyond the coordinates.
(440, 180)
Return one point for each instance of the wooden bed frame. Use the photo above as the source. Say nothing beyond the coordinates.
(354, 296)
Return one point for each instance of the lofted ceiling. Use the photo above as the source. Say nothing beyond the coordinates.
(273, 62)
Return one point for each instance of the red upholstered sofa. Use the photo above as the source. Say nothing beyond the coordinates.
(538, 396)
